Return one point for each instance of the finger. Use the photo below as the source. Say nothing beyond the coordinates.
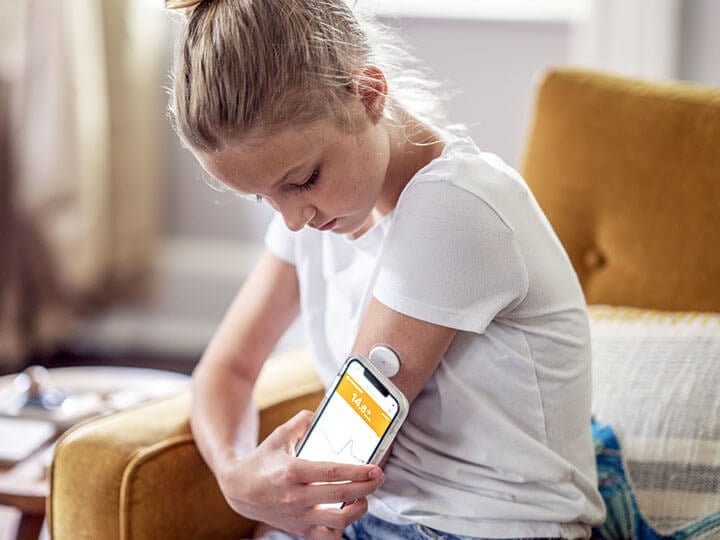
(339, 518)
(288, 434)
(307, 472)
(355, 510)
(346, 492)
(319, 532)
(299, 423)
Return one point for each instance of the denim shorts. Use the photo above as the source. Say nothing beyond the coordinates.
(369, 527)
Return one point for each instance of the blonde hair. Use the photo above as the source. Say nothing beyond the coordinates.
(247, 67)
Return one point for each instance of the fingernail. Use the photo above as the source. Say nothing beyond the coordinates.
(375, 473)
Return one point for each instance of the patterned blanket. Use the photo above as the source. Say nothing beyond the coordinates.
(624, 519)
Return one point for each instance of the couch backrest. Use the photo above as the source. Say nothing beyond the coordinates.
(628, 172)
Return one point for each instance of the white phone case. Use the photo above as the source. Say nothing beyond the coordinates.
(394, 427)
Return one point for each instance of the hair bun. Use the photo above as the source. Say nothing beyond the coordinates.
(186, 6)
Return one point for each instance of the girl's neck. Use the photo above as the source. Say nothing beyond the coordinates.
(413, 145)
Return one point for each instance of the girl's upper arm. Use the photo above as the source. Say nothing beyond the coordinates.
(419, 344)
(267, 303)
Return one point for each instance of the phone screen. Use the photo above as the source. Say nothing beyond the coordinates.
(353, 420)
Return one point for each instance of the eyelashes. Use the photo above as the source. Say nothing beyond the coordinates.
(309, 183)
(305, 186)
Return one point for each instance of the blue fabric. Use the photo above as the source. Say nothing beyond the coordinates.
(370, 527)
(624, 520)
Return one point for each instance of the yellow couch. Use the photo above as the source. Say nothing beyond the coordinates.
(628, 173)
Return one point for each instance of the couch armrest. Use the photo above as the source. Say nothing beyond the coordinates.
(138, 474)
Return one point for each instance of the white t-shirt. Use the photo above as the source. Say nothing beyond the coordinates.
(498, 443)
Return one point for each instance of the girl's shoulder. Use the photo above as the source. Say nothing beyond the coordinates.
(463, 170)
(462, 165)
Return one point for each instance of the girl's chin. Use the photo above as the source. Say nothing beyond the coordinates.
(355, 229)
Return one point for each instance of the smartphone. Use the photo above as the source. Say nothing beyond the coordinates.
(358, 418)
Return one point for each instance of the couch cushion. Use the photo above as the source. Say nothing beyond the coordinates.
(627, 172)
(656, 377)
(137, 474)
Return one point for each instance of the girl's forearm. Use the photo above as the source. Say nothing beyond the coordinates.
(224, 420)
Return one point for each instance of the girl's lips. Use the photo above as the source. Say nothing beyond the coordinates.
(328, 225)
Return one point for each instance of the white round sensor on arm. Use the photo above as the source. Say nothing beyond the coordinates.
(385, 359)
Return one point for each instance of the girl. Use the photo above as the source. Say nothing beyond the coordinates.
(394, 232)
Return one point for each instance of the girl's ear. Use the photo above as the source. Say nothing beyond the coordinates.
(370, 85)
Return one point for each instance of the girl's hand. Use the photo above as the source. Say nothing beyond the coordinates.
(271, 485)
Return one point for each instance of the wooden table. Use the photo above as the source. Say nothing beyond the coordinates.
(24, 485)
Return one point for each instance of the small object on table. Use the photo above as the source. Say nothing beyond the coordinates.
(32, 396)
(34, 389)
(58, 398)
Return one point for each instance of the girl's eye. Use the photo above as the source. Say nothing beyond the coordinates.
(308, 184)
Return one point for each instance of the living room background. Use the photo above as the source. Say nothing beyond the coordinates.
(207, 239)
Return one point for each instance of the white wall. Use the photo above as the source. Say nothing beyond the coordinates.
(700, 42)
(493, 65)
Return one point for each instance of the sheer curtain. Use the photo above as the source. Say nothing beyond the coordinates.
(82, 162)
(629, 37)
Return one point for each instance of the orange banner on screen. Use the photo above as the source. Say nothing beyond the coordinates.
(363, 404)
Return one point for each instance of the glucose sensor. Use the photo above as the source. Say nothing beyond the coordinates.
(385, 359)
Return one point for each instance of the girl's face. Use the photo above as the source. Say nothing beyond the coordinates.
(314, 175)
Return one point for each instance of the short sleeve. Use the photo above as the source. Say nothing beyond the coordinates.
(450, 259)
(280, 240)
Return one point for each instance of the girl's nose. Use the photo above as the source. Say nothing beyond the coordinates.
(297, 220)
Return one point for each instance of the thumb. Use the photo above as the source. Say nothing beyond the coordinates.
(292, 431)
